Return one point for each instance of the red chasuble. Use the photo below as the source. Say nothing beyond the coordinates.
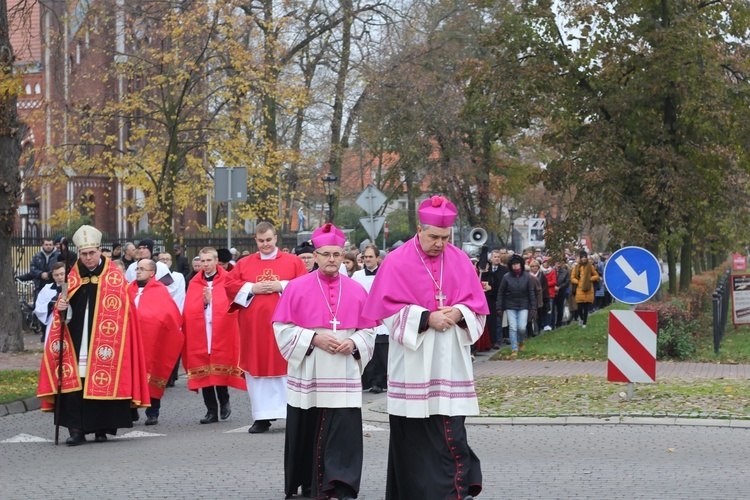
(160, 322)
(116, 363)
(221, 366)
(259, 353)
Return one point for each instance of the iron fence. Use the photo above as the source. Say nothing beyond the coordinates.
(721, 298)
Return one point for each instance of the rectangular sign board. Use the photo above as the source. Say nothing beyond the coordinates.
(741, 299)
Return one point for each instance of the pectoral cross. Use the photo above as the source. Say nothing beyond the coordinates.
(440, 297)
(334, 322)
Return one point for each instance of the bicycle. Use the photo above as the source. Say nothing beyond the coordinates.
(30, 323)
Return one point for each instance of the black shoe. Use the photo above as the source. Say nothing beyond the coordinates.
(152, 420)
(76, 438)
(101, 437)
(134, 415)
(259, 427)
(210, 418)
(376, 389)
(225, 410)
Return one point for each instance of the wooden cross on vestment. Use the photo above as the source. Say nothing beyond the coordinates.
(440, 297)
(335, 323)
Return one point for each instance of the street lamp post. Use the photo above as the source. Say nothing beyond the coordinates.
(512, 211)
(329, 181)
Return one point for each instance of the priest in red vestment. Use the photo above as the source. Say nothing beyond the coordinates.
(255, 285)
(160, 321)
(429, 296)
(103, 365)
(212, 338)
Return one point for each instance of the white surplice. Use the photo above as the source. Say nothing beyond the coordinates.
(323, 379)
(430, 373)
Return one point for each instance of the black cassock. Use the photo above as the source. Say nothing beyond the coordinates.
(77, 412)
(323, 447)
(430, 458)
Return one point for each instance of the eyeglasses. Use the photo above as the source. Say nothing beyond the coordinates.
(328, 255)
(143, 269)
(165, 259)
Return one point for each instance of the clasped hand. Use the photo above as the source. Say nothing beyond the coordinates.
(445, 317)
(330, 343)
(266, 287)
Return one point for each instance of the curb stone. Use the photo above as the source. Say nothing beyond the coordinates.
(15, 407)
(32, 404)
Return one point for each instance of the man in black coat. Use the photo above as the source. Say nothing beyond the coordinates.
(493, 277)
(41, 265)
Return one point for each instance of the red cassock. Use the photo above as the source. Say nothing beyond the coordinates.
(259, 353)
(116, 365)
(221, 366)
(160, 321)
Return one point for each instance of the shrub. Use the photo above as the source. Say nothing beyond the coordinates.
(675, 340)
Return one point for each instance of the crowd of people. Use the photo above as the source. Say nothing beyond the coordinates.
(304, 332)
(532, 293)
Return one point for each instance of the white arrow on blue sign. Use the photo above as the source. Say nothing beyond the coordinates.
(632, 275)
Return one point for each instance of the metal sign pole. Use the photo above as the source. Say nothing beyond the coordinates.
(229, 209)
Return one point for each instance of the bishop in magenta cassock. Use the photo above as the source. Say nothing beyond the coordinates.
(255, 285)
(160, 321)
(212, 338)
(428, 295)
(320, 331)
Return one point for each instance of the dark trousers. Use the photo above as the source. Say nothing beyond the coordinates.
(153, 410)
(559, 305)
(583, 311)
(492, 324)
(376, 371)
(210, 396)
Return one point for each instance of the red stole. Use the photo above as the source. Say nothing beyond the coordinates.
(116, 364)
(160, 321)
(221, 367)
(259, 353)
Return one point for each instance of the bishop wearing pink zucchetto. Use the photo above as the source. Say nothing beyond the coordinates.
(327, 342)
(428, 295)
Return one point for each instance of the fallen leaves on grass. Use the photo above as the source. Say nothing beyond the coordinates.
(594, 396)
(17, 384)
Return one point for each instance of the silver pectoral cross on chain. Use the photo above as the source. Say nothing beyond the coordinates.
(335, 323)
(440, 297)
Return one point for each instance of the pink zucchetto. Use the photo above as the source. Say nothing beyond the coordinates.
(437, 211)
(328, 235)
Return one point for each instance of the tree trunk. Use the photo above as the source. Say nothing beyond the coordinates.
(337, 151)
(686, 262)
(672, 267)
(11, 336)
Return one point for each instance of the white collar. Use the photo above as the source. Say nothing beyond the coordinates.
(270, 256)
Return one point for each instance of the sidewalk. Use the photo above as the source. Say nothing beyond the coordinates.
(30, 359)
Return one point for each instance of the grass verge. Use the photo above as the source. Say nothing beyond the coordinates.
(594, 396)
(573, 343)
(17, 384)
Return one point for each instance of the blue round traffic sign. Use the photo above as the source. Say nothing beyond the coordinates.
(632, 275)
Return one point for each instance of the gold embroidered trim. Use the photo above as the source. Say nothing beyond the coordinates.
(208, 370)
(157, 382)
